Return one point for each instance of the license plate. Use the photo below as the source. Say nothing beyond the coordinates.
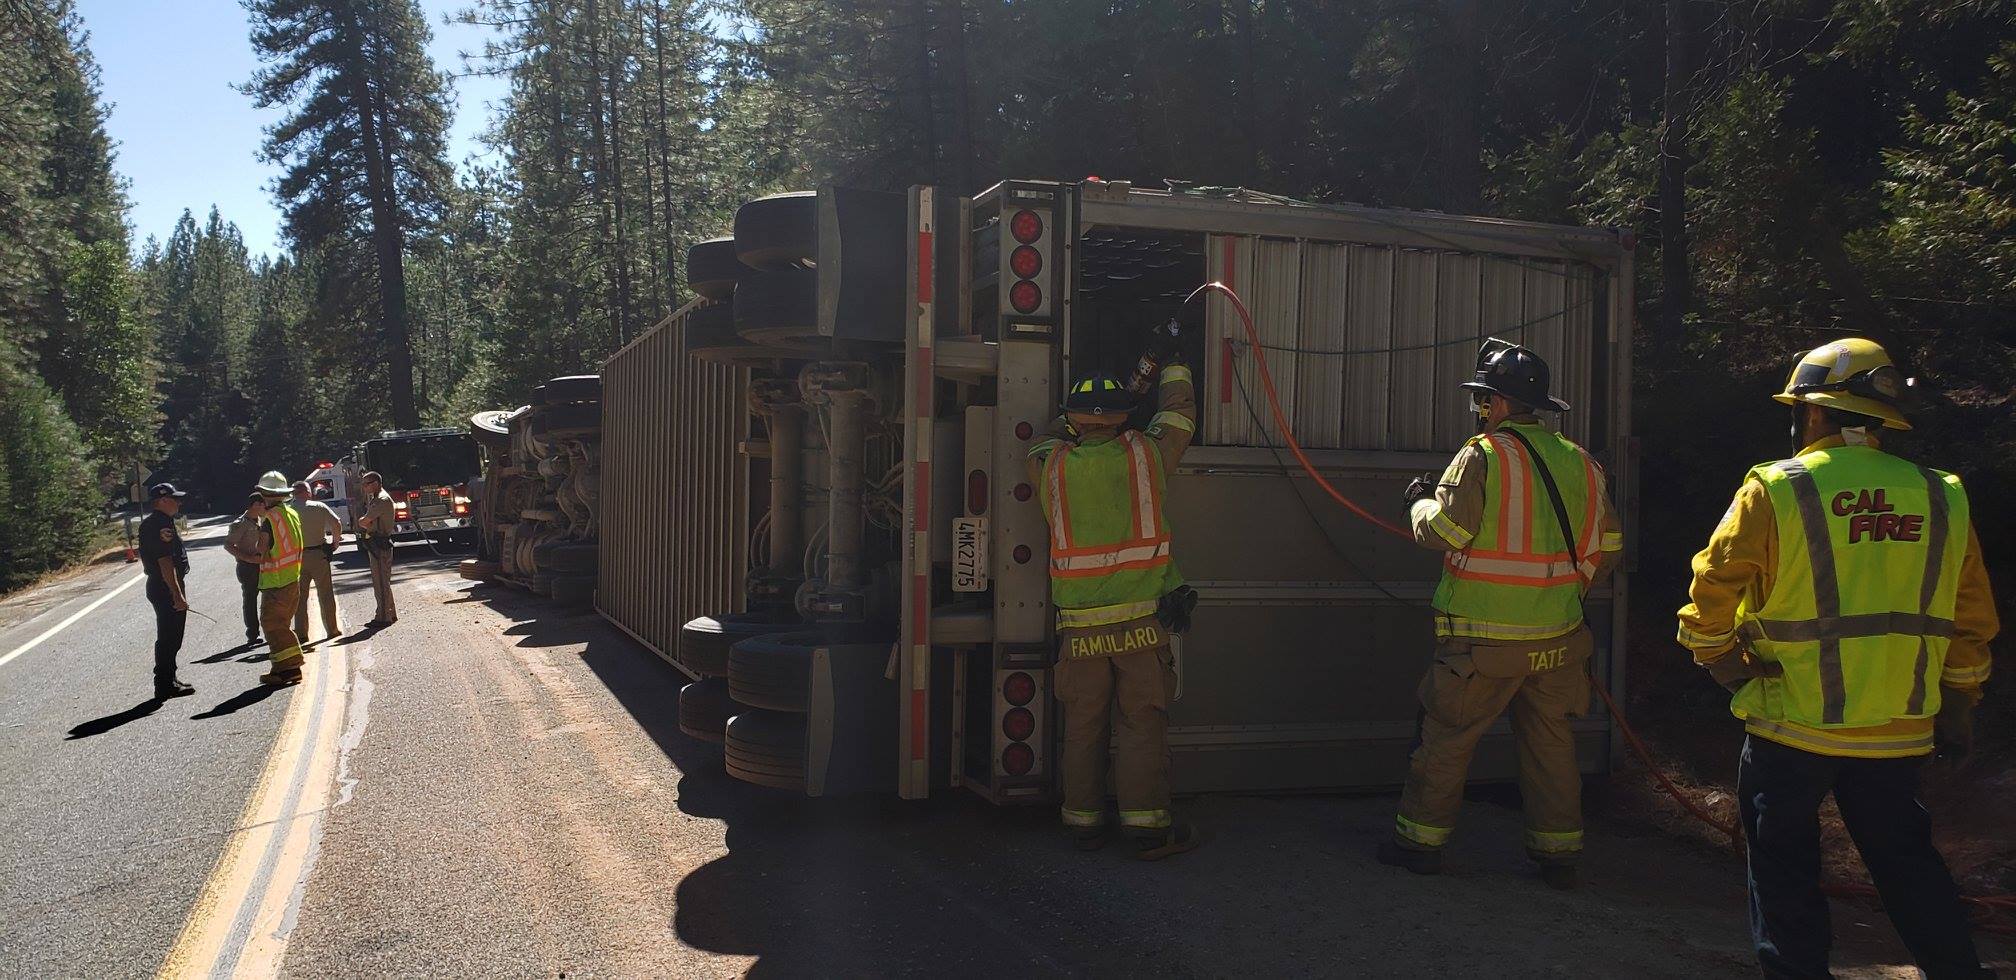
(969, 554)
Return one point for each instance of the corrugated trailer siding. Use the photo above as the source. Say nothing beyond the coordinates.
(675, 488)
(1367, 345)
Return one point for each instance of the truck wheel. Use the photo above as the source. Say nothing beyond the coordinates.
(492, 430)
(781, 310)
(711, 337)
(574, 591)
(704, 708)
(766, 748)
(477, 570)
(778, 231)
(572, 388)
(542, 582)
(704, 642)
(773, 672)
(581, 420)
(712, 268)
(568, 558)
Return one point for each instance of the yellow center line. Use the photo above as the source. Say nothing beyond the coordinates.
(239, 924)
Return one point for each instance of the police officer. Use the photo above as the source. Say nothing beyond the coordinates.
(1526, 526)
(1843, 601)
(374, 532)
(166, 564)
(242, 543)
(322, 534)
(1119, 597)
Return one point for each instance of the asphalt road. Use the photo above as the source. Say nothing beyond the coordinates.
(513, 798)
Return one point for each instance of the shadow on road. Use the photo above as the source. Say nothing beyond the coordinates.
(99, 726)
(243, 699)
(227, 654)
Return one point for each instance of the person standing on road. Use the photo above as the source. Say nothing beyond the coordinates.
(1844, 603)
(279, 578)
(1527, 527)
(374, 531)
(321, 535)
(166, 563)
(242, 543)
(1119, 598)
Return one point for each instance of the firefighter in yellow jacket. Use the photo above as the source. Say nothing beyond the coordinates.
(1509, 629)
(1843, 601)
(1119, 597)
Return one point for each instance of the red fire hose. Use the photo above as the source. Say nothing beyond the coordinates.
(1985, 905)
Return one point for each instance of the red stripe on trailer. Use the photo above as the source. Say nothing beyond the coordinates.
(918, 731)
(921, 489)
(925, 388)
(924, 283)
(1225, 375)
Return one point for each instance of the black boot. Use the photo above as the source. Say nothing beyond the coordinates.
(1417, 860)
(171, 688)
(1176, 839)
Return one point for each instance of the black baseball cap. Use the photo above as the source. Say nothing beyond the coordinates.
(159, 490)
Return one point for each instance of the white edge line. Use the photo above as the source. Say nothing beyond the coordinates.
(73, 617)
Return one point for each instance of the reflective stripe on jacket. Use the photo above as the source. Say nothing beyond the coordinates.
(1110, 548)
(1515, 577)
(282, 564)
(1861, 610)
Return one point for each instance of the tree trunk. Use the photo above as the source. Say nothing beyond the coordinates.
(1457, 140)
(620, 255)
(963, 157)
(667, 235)
(1677, 280)
(598, 132)
(927, 123)
(387, 239)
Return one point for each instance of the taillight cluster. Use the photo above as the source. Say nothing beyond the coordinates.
(1026, 262)
(1018, 722)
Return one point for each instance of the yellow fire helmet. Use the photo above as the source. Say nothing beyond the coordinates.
(1853, 375)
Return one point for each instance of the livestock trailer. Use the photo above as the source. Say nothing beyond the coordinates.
(815, 501)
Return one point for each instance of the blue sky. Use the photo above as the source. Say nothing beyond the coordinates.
(186, 139)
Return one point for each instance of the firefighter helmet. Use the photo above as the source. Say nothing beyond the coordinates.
(1515, 373)
(1852, 375)
(274, 484)
(1098, 393)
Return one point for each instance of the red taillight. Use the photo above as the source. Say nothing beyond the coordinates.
(1021, 554)
(447, 492)
(976, 492)
(1018, 758)
(1025, 262)
(461, 507)
(1022, 491)
(1018, 724)
(1026, 226)
(1024, 430)
(1019, 688)
(1025, 296)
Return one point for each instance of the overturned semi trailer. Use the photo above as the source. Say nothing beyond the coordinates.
(815, 502)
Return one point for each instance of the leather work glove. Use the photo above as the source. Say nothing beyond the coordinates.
(1739, 667)
(1953, 729)
(1420, 488)
(1166, 342)
(1173, 610)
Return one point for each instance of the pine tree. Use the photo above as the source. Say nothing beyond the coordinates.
(363, 150)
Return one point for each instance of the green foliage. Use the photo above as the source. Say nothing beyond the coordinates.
(48, 505)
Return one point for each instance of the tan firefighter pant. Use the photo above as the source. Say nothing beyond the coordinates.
(1124, 700)
(315, 572)
(1470, 684)
(276, 617)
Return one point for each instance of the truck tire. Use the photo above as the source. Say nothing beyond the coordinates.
(568, 558)
(712, 268)
(711, 337)
(580, 420)
(766, 748)
(574, 591)
(704, 642)
(781, 310)
(569, 389)
(773, 672)
(704, 708)
(477, 570)
(542, 582)
(493, 431)
(779, 231)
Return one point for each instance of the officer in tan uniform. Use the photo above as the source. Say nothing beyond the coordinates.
(1119, 599)
(243, 543)
(1509, 627)
(321, 535)
(374, 530)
